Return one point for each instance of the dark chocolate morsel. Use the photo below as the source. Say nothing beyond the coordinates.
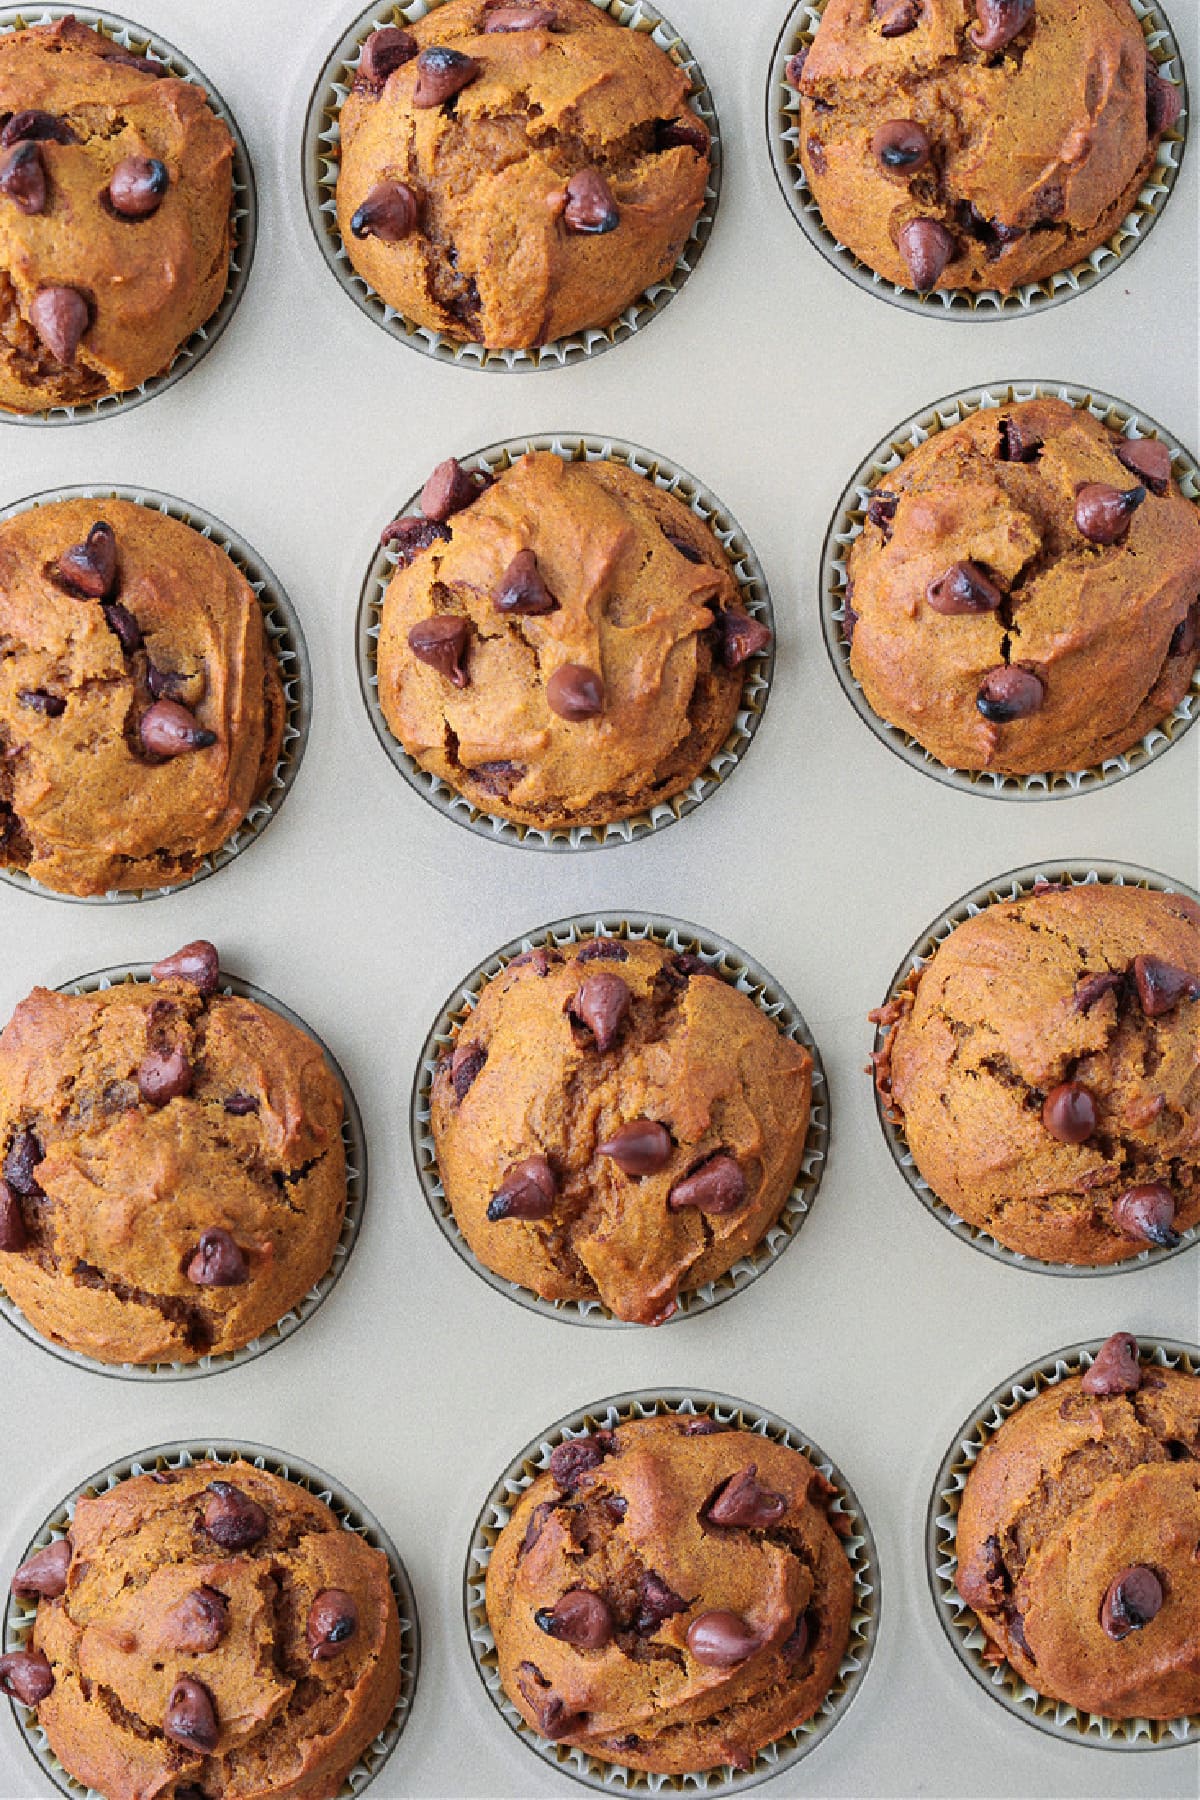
(138, 186)
(642, 1147)
(34, 127)
(601, 1005)
(1009, 692)
(571, 1461)
(451, 488)
(232, 1519)
(580, 1618)
(60, 316)
(1103, 513)
(519, 18)
(389, 213)
(191, 1716)
(1017, 443)
(239, 1105)
(741, 637)
(465, 1065)
(901, 146)
(522, 589)
(1091, 989)
(963, 588)
(896, 17)
(717, 1186)
(168, 729)
(722, 1639)
(90, 568)
(1164, 101)
(999, 23)
(23, 178)
(332, 1622)
(385, 51)
(1147, 1212)
(442, 73)
(1150, 460)
(197, 963)
(218, 1261)
(1115, 1369)
(1134, 1598)
(744, 1503)
(45, 1572)
(529, 1190)
(656, 1603)
(928, 248)
(26, 1676)
(1161, 986)
(409, 536)
(591, 208)
(681, 134)
(1069, 1113)
(23, 1156)
(123, 625)
(575, 693)
(197, 1623)
(442, 643)
(164, 1075)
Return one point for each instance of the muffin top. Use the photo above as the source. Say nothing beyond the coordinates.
(671, 1595)
(208, 1630)
(615, 1121)
(1077, 1538)
(960, 145)
(1043, 1068)
(174, 1176)
(141, 710)
(563, 644)
(115, 195)
(1023, 596)
(515, 173)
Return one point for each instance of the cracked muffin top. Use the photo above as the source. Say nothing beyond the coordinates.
(671, 1595)
(616, 1122)
(208, 1631)
(978, 146)
(1025, 593)
(563, 644)
(1077, 1538)
(174, 1179)
(115, 196)
(1043, 1067)
(141, 708)
(511, 174)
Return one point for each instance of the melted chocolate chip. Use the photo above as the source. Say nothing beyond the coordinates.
(13, 1235)
(168, 729)
(580, 1618)
(571, 1461)
(24, 1154)
(1115, 1369)
(721, 1639)
(465, 1065)
(384, 52)
(1000, 21)
(23, 179)
(656, 1603)
(191, 1716)
(409, 536)
(197, 963)
(1134, 1599)
(45, 1572)
(218, 1261)
(1009, 692)
(743, 1503)
(232, 1519)
(590, 208)
(441, 74)
(1161, 986)
(26, 1675)
(963, 588)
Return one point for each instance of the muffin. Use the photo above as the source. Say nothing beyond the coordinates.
(115, 198)
(616, 1122)
(511, 174)
(671, 1595)
(210, 1631)
(1023, 596)
(563, 644)
(1043, 1069)
(1077, 1539)
(174, 1179)
(952, 145)
(141, 708)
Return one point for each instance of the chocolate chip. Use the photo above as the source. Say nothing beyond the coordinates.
(688, 551)
(602, 1004)
(164, 1075)
(720, 1639)
(793, 69)
(51, 706)
(332, 1622)
(26, 1676)
(591, 208)
(23, 178)
(642, 1147)
(964, 588)
(539, 960)
(529, 1190)
(31, 126)
(1134, 1598)
(197, 1622)
(602, 949)
(1147, 1212)
(741, 637)
(575, 693)
(1186, 634)
(522, 589)
(1150, 459)
(1115, 1369)
(520, 18)
(384, 52)
(164, 684)
(983, 1580)
(168, 729)
(451, 488)
(1091, 989)
(717, 1186)
(1103, 514)
(895, 17)
(441, 641)
(797, 1640)
(123, 625)
(901, 146)
(1164, 101)
(232, 1519)
(218, 1261)
(742, 1502)
(138, 187)
(702, 1428)
(686, 965)
(928, 248)
(191, 1716)
(239, 1105)
(571, 1461)
(60, 316)
(1009, 692)
(999, 23)
(1161, 986)
(13, 1235)
(496, 777)
(197, 963)
(881, 509)
(681, 134)
(90, 568)
(389, 213)
(1018, 443)
(442, 73)
(580, 1618)
(409, 536)
(147, 65)
(1069, 1113)
(45, 1572)
(465, 1065)
(550, 1712)
(24, 1154)
(656, 1603)
(533, 1530)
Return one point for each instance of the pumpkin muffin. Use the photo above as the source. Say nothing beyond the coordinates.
(209, 1631)
(115, 197)
(1077, 1538)
(671, 1595)
(511, 174)
(141, 708)
(978, 146)
(616, 1122)
(563, 645)
(1024, 594)
(174, 1179)
(1043, 1068)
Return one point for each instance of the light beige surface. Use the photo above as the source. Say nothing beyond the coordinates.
(769, 377)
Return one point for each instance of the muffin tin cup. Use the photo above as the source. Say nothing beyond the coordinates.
(355, 1145)
(285, 640)
(1016, 885)
(783, 1753)
(1055, 1717)
(741, 972)
(243, 215)
(783, 112)
(756, 687)
(351, 1514)
(320, 155)
(847, 525)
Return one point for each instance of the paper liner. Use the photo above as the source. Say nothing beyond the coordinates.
(847, 524)
(1016, 885)
(243, 214)
(741, 972)
(648, 1403)
(783, 109)
(1055, 1717)
(285, 639)
(758, 671)
(19, 1615)
(320, 159)
(355, 1145)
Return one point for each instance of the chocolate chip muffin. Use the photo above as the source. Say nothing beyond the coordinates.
(1024, 594)
(978, 146)
(141, 708)
(511, 174)
(671, 1595)
(616, 1122)
(563, 644)
(174, 1179)
(210, 1631)
(1077, 1538)
(1043, 1068)
(115, 197)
